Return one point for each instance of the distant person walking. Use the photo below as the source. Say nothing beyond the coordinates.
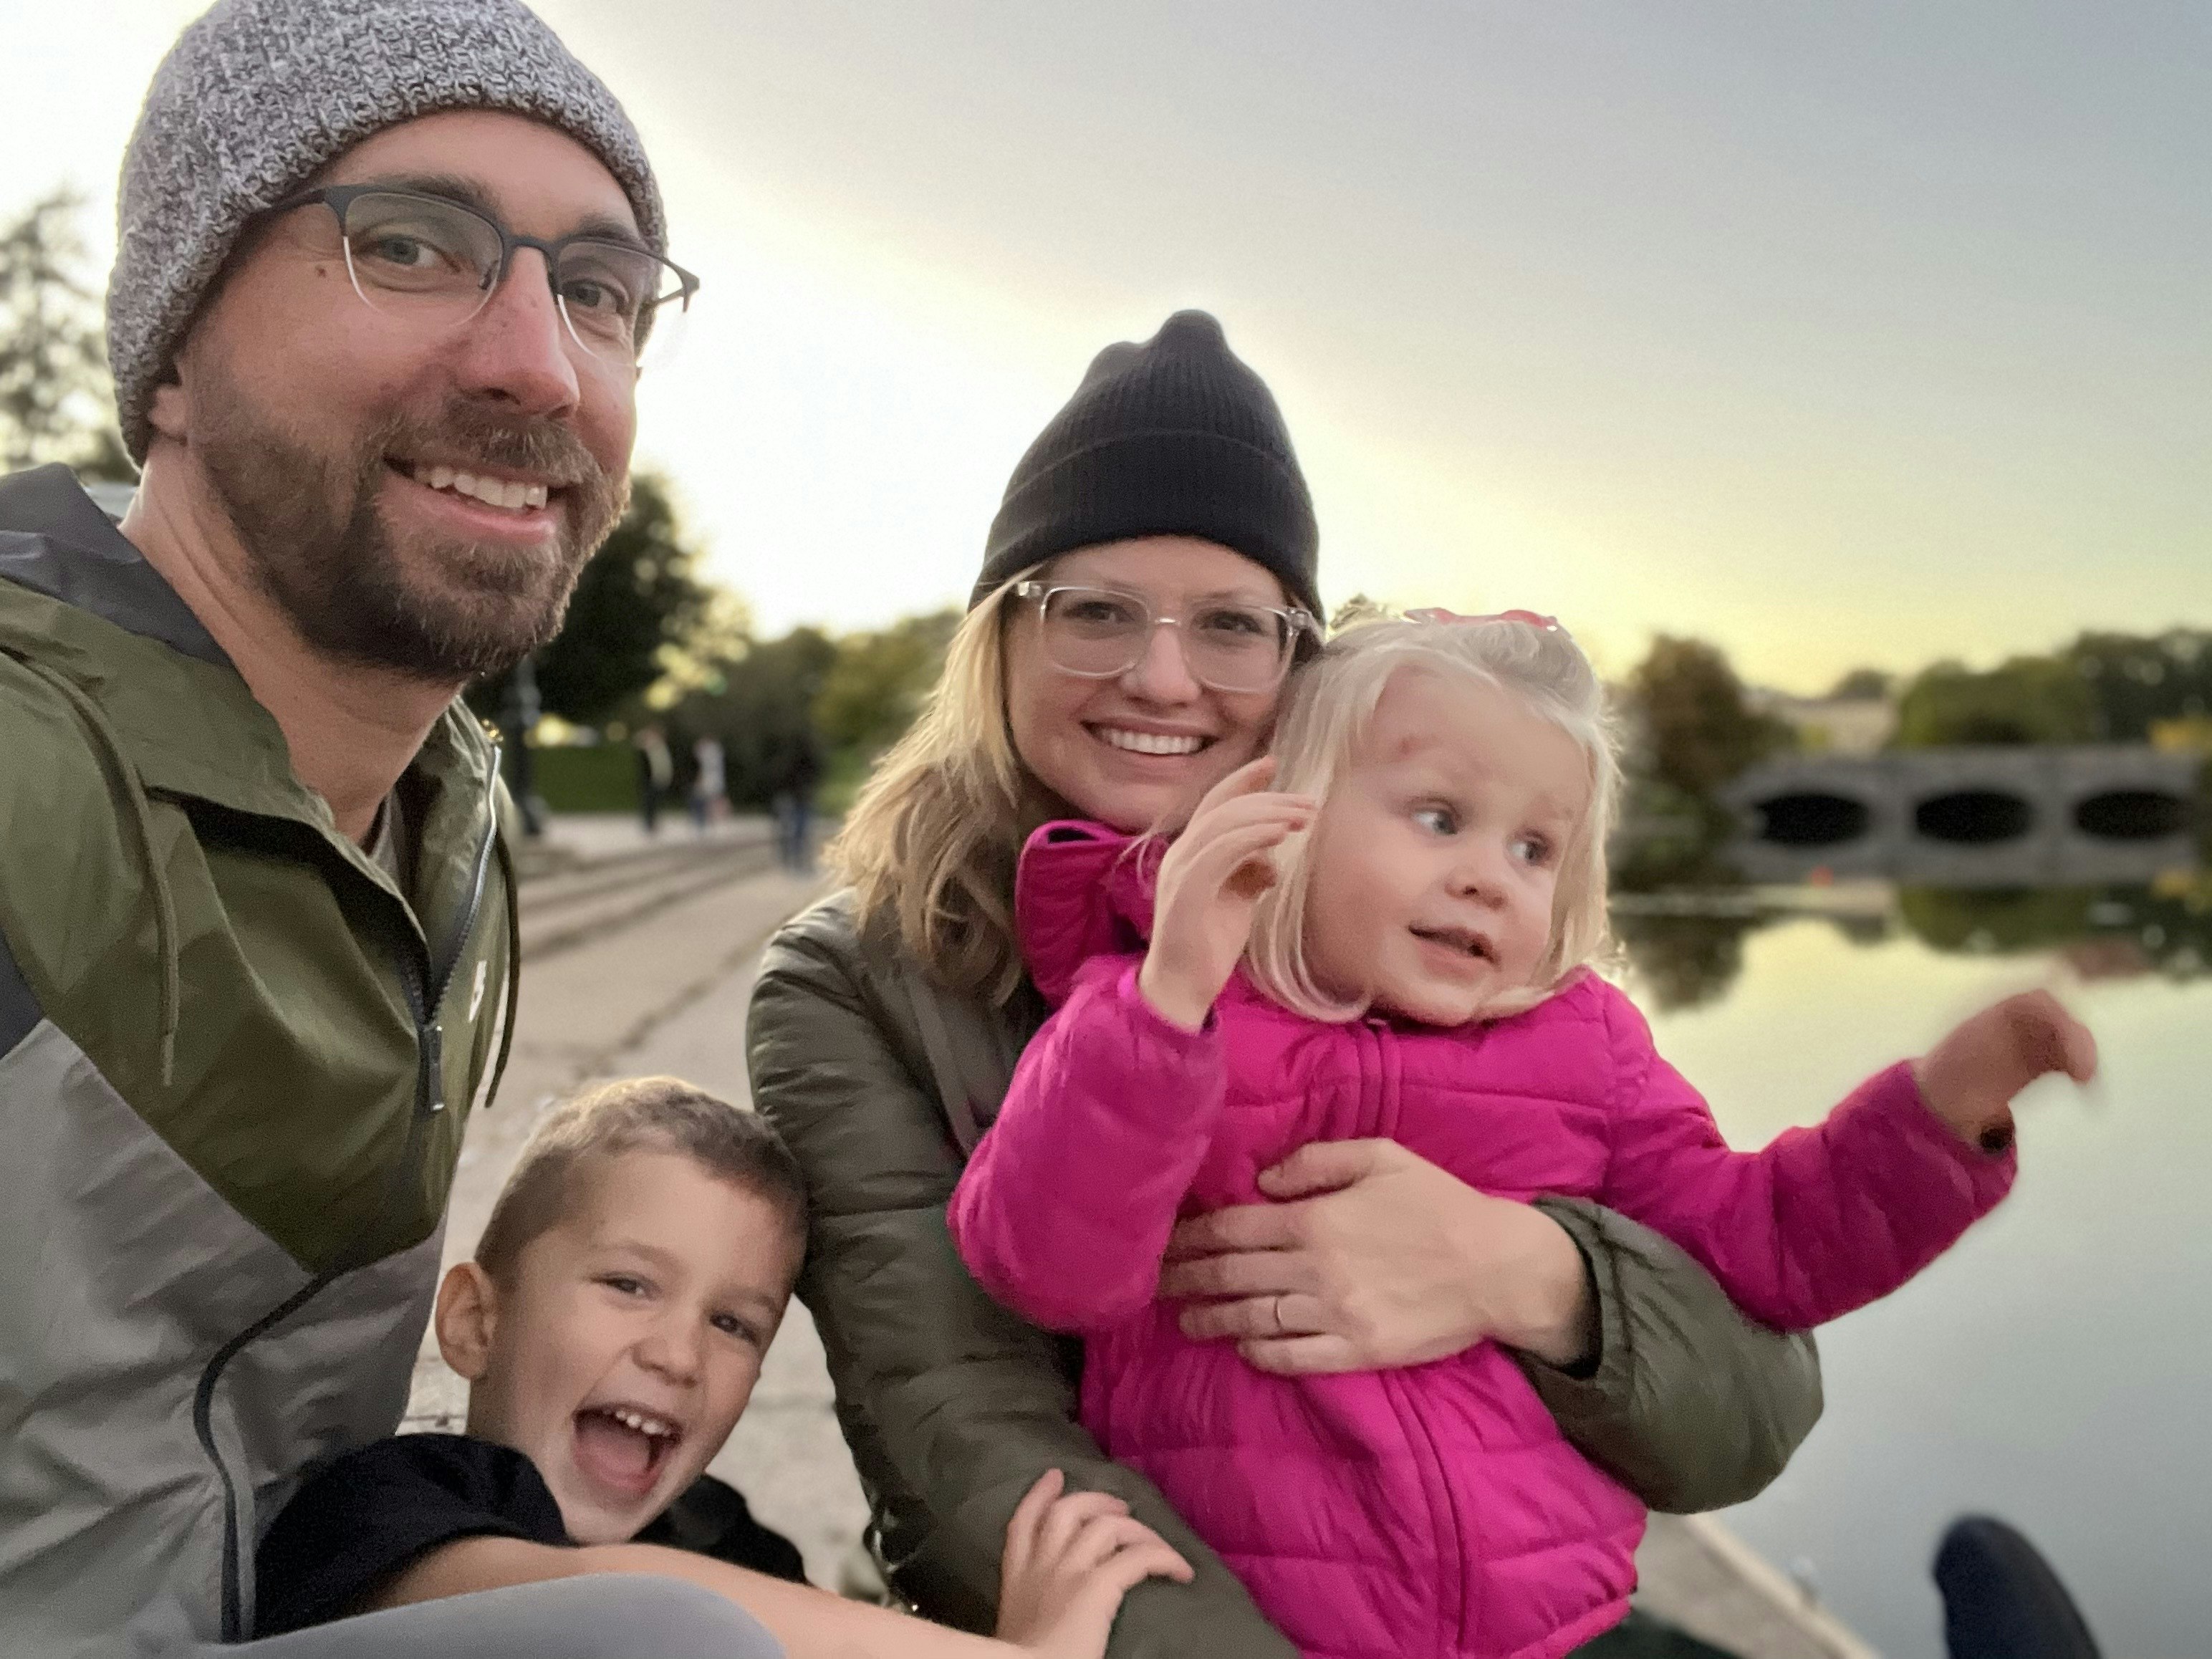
(656, 771)
(794, 805)
(710, 784)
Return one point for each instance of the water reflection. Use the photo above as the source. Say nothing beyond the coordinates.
(1683, 961)
(1684, 944)
(1990, 1384)
(2048, 1368)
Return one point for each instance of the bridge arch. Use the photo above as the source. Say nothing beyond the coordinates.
(1813, 818)
(2020, 814)
(2131, 814)
(1974, 817)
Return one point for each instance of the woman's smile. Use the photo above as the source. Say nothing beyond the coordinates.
(1134, 740)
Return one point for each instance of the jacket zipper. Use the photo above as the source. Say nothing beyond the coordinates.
(1441, 1494)
(424, 982)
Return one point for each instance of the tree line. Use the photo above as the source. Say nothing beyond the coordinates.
(649, 640)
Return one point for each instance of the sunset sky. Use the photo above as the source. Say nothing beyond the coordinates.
(1838, 334)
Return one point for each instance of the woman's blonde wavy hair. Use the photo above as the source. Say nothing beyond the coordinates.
(1330, 705)
(930, 845)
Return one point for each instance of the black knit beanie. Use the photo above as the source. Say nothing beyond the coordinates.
(1175, 437)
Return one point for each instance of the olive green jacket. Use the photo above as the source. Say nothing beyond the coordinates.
(236, 1062)
(881, 1081)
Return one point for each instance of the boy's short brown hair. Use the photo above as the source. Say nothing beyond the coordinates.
(644, 1113)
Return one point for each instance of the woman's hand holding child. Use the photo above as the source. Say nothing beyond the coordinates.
(1071, 1557)
(1373, 1258)
(1202, 916)
(1970, 1078)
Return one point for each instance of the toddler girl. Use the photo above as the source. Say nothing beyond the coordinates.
(1396, 945)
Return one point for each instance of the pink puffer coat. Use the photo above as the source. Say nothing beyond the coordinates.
(1432, 1510)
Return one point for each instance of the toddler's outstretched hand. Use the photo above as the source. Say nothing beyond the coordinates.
(1969, 1078)
(1069, 1561)
(1217, 867)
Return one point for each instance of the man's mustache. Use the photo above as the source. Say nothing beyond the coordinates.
(543, 448)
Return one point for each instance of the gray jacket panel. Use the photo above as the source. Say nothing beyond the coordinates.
(116, 1512)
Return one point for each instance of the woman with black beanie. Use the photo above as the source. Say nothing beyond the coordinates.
(1148, 587)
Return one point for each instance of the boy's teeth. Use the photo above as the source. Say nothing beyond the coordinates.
(640, 1422)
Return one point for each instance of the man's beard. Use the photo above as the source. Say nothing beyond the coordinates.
(445, 610)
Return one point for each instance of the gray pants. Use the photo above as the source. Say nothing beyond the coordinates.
(598, 1616)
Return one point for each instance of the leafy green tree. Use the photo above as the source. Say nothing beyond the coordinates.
(638, 606)
(876, 686)
(1695, 729)
(2026, 700)
(2135, 681)
(1862, 685)
(638, 598)
(56, 402)
(760, 707)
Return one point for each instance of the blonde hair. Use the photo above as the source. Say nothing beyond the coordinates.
(1331, 706)
(929, 847)
(644, 1113)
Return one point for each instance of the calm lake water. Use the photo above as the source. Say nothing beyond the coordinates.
(2056, 1367)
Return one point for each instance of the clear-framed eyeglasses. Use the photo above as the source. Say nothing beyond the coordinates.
(438, 261)
(1096, 633)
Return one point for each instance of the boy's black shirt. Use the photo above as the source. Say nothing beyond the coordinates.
(366, 1517)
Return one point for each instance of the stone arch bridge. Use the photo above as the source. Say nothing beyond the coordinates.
(2008, 816)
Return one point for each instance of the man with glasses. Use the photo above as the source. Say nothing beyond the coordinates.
(386, 272)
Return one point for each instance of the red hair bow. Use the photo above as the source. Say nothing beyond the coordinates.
(1436, 613)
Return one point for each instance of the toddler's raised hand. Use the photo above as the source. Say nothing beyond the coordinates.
(1069, 1561)
(1202, 914)
(1969, 1078)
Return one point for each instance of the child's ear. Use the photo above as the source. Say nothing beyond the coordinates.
(468, 1307)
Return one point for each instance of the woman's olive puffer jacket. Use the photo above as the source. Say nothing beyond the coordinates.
(882, 1081)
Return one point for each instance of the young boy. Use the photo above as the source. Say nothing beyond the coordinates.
(633, 1274)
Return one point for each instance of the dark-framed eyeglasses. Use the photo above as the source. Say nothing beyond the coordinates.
(437, 262)
(1096, 633)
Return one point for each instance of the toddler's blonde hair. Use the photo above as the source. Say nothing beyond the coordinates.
(1327, 713)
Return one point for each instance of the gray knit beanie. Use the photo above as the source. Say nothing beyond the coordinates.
(259, 95)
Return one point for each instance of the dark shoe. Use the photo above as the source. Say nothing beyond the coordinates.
(1640, 1636)
(2000, 1599)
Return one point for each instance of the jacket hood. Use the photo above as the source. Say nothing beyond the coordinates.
(80, 601)
(55, 540)
(1082, 889)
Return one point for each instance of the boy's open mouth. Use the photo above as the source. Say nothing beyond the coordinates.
(623, 1448)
